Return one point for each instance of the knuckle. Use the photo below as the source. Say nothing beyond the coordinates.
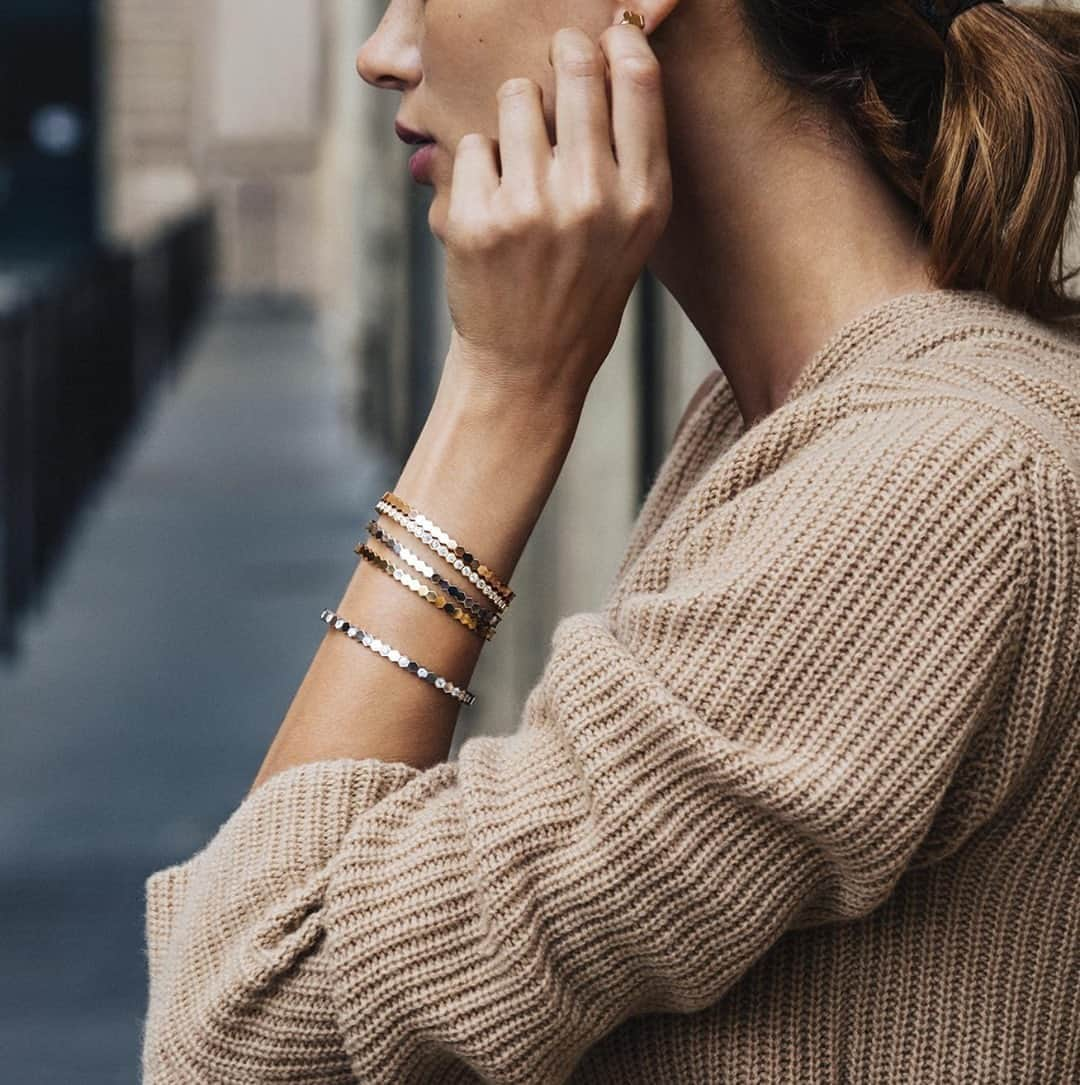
(467, 227)
(482, 234)
(648, 212)
(500, 232)
(580, 64)
(588, 206)
(464, 234)
(648, 201)
(637, 202)
(644, 195)
(526, 210)
(642, 71)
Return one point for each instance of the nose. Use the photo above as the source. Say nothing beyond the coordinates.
(389, 59)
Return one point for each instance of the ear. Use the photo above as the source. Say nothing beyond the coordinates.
(654, 11)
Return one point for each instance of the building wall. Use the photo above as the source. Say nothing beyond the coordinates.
(260, 113)
(213, 98)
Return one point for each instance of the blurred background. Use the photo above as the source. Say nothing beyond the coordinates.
(222, 323)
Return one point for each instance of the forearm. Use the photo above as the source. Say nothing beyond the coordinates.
(482, 469)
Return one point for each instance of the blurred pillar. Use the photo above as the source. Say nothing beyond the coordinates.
(260, 109)
(363, 283)
(148, 64)
(393, 279)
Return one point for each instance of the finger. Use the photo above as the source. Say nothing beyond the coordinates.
(582, 116)
(475, 177)
(524, 147)
(638, 120)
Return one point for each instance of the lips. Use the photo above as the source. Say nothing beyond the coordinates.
(408, 135)
(420, 163)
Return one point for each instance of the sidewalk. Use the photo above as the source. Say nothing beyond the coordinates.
(154, 676)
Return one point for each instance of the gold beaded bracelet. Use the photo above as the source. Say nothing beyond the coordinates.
(429, 540)
(455, 548)
(483, 616)
(441, 601)
(459, 606)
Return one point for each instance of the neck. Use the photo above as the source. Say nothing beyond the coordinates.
(777, 237)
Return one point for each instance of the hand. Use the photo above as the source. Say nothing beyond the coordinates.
(541, 262)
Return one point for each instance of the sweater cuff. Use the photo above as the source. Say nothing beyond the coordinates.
(284, 832)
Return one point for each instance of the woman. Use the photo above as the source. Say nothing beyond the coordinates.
(800, 802)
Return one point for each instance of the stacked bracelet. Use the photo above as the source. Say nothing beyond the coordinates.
(441, 601)
(354, 632)
(486, 617)
(443, 551)
(459, 553)
(456, 603)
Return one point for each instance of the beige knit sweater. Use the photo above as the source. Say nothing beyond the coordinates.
(799, 804)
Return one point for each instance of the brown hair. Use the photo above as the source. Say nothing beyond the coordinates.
(979, 129)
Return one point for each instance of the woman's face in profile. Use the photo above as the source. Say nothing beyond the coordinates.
(449, 57)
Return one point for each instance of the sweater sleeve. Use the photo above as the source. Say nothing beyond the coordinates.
(755, 738)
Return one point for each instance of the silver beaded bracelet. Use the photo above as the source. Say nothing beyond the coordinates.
(354, 632)
(442, 550)
(488, 617)
(457, 551)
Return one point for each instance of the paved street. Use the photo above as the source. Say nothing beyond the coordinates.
(155, 672)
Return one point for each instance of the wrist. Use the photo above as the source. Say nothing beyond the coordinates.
(491, 389)
(486, 467)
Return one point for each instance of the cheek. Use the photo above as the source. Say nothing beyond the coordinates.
(468, 50)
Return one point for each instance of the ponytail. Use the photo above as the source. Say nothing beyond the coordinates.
(977, 127)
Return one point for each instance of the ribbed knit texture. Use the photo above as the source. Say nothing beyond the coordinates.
(799, 804)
